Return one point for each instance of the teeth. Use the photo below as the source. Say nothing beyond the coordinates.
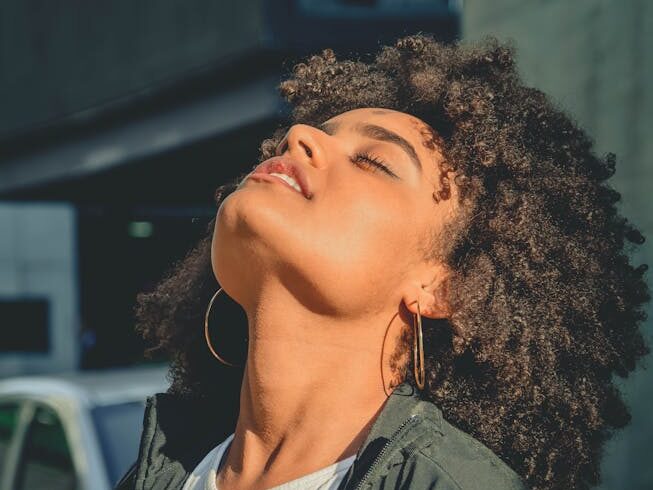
(288, 179)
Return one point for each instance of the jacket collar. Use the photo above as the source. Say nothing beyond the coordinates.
(405, 424)
(179, 431)
(403, 404)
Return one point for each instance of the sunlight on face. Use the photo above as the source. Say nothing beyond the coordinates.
(372, 174)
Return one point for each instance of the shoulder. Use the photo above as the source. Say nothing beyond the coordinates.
(177, 434)
(465, 462)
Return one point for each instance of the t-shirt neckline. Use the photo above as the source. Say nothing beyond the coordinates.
(331, 470)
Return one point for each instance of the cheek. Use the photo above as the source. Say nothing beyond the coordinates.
(364, 231)
(362, 244)
(345, 251)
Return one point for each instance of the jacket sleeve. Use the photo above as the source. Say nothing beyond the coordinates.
(128, 480)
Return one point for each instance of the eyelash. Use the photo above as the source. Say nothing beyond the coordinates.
(375, 163)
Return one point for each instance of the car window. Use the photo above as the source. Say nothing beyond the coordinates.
(8, 422)
(119, 428)
(46, 460)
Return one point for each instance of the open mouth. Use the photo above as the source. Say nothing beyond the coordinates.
(288, 171)
(277, 177)
(289, 180)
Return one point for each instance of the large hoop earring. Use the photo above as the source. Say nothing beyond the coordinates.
(418, 350)
(206, 332)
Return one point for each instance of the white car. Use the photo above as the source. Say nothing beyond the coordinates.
(77, 431)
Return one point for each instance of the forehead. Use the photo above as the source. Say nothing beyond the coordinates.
(410, 127)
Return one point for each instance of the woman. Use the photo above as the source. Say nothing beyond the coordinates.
(431, 193)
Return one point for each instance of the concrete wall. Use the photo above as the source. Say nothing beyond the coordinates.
(593, 57)
(38, 259)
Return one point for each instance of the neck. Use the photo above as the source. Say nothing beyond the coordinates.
(308, 379)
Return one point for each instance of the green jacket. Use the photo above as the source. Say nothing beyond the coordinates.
(410, 446)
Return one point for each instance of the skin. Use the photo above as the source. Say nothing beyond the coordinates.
(327, 285)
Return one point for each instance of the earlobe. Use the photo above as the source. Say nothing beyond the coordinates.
(431, 304)
(430, 291)
(433, 301)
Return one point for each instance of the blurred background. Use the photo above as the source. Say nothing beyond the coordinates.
(119, 119)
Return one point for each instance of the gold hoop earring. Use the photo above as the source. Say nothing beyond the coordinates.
(206, 332)
(418, 350)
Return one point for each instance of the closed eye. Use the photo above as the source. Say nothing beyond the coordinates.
(372, 162)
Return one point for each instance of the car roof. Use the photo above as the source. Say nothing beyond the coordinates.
(97, 387)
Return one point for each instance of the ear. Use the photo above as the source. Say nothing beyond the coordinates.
(429, 289)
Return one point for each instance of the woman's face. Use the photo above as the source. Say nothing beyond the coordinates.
(355, 246)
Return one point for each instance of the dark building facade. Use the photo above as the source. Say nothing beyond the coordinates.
(125, 117)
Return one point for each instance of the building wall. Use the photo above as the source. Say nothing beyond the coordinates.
(593, 57)
(38, 260)
(59, 58)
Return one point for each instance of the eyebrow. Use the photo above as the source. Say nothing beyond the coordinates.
(378, 133)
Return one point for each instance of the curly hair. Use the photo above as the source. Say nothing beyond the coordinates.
(542, 286)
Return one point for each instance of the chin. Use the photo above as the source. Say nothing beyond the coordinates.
(251, 237)
(250, 216)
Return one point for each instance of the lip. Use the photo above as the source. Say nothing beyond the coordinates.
(285, 165)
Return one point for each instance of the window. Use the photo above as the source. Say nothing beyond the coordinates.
(46, 461)
(28, 319)
(8, 422)
(119, 430)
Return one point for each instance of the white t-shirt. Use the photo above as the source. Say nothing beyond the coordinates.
(328, 478)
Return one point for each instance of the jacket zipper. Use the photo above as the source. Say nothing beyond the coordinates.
(383, 451)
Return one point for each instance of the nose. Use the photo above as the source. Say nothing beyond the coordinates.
(303, 143)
